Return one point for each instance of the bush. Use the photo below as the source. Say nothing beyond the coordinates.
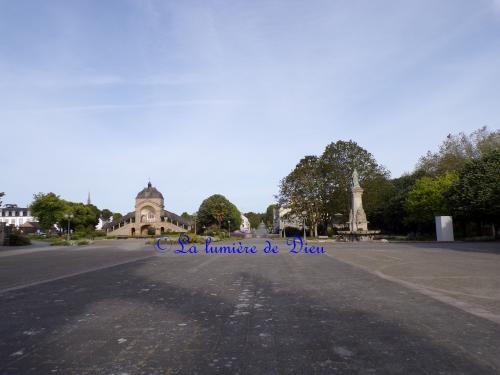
(214, 231)
(292, 231)
(82, 242)
(60, 242)
(17, 239)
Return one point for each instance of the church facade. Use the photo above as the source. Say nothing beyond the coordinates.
(148, 218)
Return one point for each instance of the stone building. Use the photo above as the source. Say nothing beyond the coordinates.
(149, 217)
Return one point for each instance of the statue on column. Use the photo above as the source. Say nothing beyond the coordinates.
(357, 216)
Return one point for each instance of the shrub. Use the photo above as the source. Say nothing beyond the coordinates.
(60, 242)
(17, 239)
(292, 231)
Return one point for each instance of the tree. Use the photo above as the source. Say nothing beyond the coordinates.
(476, 193)
(457, 149)
(216, 209)
(186, 216)
(378, 191)
(117, 216)
(302, 192)
(427, 199)
(48, 208)
(254, 219)
(268, 217)
(85, 217)
(338, 162)
(106, 214)
(394, 214)
(1, 195)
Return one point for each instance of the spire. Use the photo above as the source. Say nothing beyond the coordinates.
(149, 184)
(88, 199)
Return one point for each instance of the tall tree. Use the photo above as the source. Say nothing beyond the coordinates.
(394, 214)
(476, 194)
(117, 216)
(303, 192)
(427, 199)
(106, 214)
(216, 209)
(457, 149)
(48, 208)
(254, 219)
(186, 216)
(1, 195)
(85, 217)
(338, 162)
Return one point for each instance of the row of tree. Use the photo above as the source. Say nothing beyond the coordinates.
(50, 210)
(460, 179)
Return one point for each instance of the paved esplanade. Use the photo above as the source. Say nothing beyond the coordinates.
(119, 308)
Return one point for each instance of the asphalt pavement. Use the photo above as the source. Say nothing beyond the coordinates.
(120, 307)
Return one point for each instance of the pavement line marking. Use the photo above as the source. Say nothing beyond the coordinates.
(2, 291)
(464, 306)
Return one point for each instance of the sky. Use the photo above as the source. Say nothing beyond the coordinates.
(206, 97)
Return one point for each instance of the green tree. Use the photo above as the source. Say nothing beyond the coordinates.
(476, 193)
(428, 199)
(378, 191)
(302, 192)
(106, 214)
(394, 213)
(268, 217)
(48, 208)
(338, 162)
(457, 149)
(117, 216)
(186, 216)
(254, 219)
(85, 217)
(216, 209)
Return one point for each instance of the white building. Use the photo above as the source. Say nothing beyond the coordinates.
(282, 218)
(14, 215)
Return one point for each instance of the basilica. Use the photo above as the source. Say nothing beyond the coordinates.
(149, 217)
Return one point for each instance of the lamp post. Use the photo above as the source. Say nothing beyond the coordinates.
(229, 228)
(68, 217)
(304, 216)
(194, 216)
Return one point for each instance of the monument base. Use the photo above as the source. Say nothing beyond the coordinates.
(359, 235)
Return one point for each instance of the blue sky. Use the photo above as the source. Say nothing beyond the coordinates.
(225, 97)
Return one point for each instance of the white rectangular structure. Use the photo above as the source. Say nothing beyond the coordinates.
(444, 228)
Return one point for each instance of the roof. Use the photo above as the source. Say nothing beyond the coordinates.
(123, 219)
(149, 192)
(13, 209)
(30, 224)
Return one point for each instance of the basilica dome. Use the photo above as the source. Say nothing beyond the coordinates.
(149, 192)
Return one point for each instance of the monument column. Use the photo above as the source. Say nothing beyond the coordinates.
(357, 216)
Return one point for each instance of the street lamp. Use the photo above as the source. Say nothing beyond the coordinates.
(304, 213)
(229, 228)
(194, 216)
(69, 217)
